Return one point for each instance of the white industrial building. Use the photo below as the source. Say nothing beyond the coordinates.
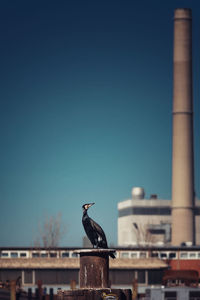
(144, 221)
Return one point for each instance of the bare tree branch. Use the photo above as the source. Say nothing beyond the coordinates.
(50, 231)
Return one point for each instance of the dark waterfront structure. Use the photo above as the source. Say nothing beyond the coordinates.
(140, 267)
(58, 268)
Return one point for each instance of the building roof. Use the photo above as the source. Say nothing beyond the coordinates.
(142, 263)
(73, 263)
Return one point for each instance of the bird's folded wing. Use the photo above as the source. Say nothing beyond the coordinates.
(98, 229)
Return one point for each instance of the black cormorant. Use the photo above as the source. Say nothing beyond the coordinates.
(93, 230)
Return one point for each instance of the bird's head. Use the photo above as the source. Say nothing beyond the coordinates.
(86, 206)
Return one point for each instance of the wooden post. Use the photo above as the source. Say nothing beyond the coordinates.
(94, 268)
(73, 284)
(13, 290)
(94, 278)
(39, 284)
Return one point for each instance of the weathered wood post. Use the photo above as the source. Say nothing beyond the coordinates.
(94, 278)
(13, 290)
(72, 284)
(94, 268)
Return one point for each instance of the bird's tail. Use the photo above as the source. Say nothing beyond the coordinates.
(112, 255)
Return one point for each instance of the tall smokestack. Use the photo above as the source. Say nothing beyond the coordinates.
(183, 229)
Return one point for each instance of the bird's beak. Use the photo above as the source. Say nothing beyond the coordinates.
(90, 204)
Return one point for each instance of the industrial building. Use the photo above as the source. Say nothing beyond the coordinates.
(143, 221)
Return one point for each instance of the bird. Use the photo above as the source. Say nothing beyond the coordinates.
(93, 230)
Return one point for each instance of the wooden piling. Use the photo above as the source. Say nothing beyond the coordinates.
(94, 278)
(13, 290)
(94, 268)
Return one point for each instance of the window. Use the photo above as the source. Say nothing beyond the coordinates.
(197, 211)
(120, 276)
(35, 254)
(170, 295)
(74, 254)
(194, 295)
(172, 255)
(155, 276)
(163, 255)
(134, 255)
(22, 254)
(56, 276)
(154, 254)
(183, 255)
(14, 254)
(143, 255)
(124, 255)
(192, 255)
(65, 254)
(53, 254)
(10, 274)
(156, 231)
(141, 276)
(28, 276)
(44, 254)
(4, 254)
(161, 211)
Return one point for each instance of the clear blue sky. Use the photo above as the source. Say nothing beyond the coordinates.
(85, 110)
